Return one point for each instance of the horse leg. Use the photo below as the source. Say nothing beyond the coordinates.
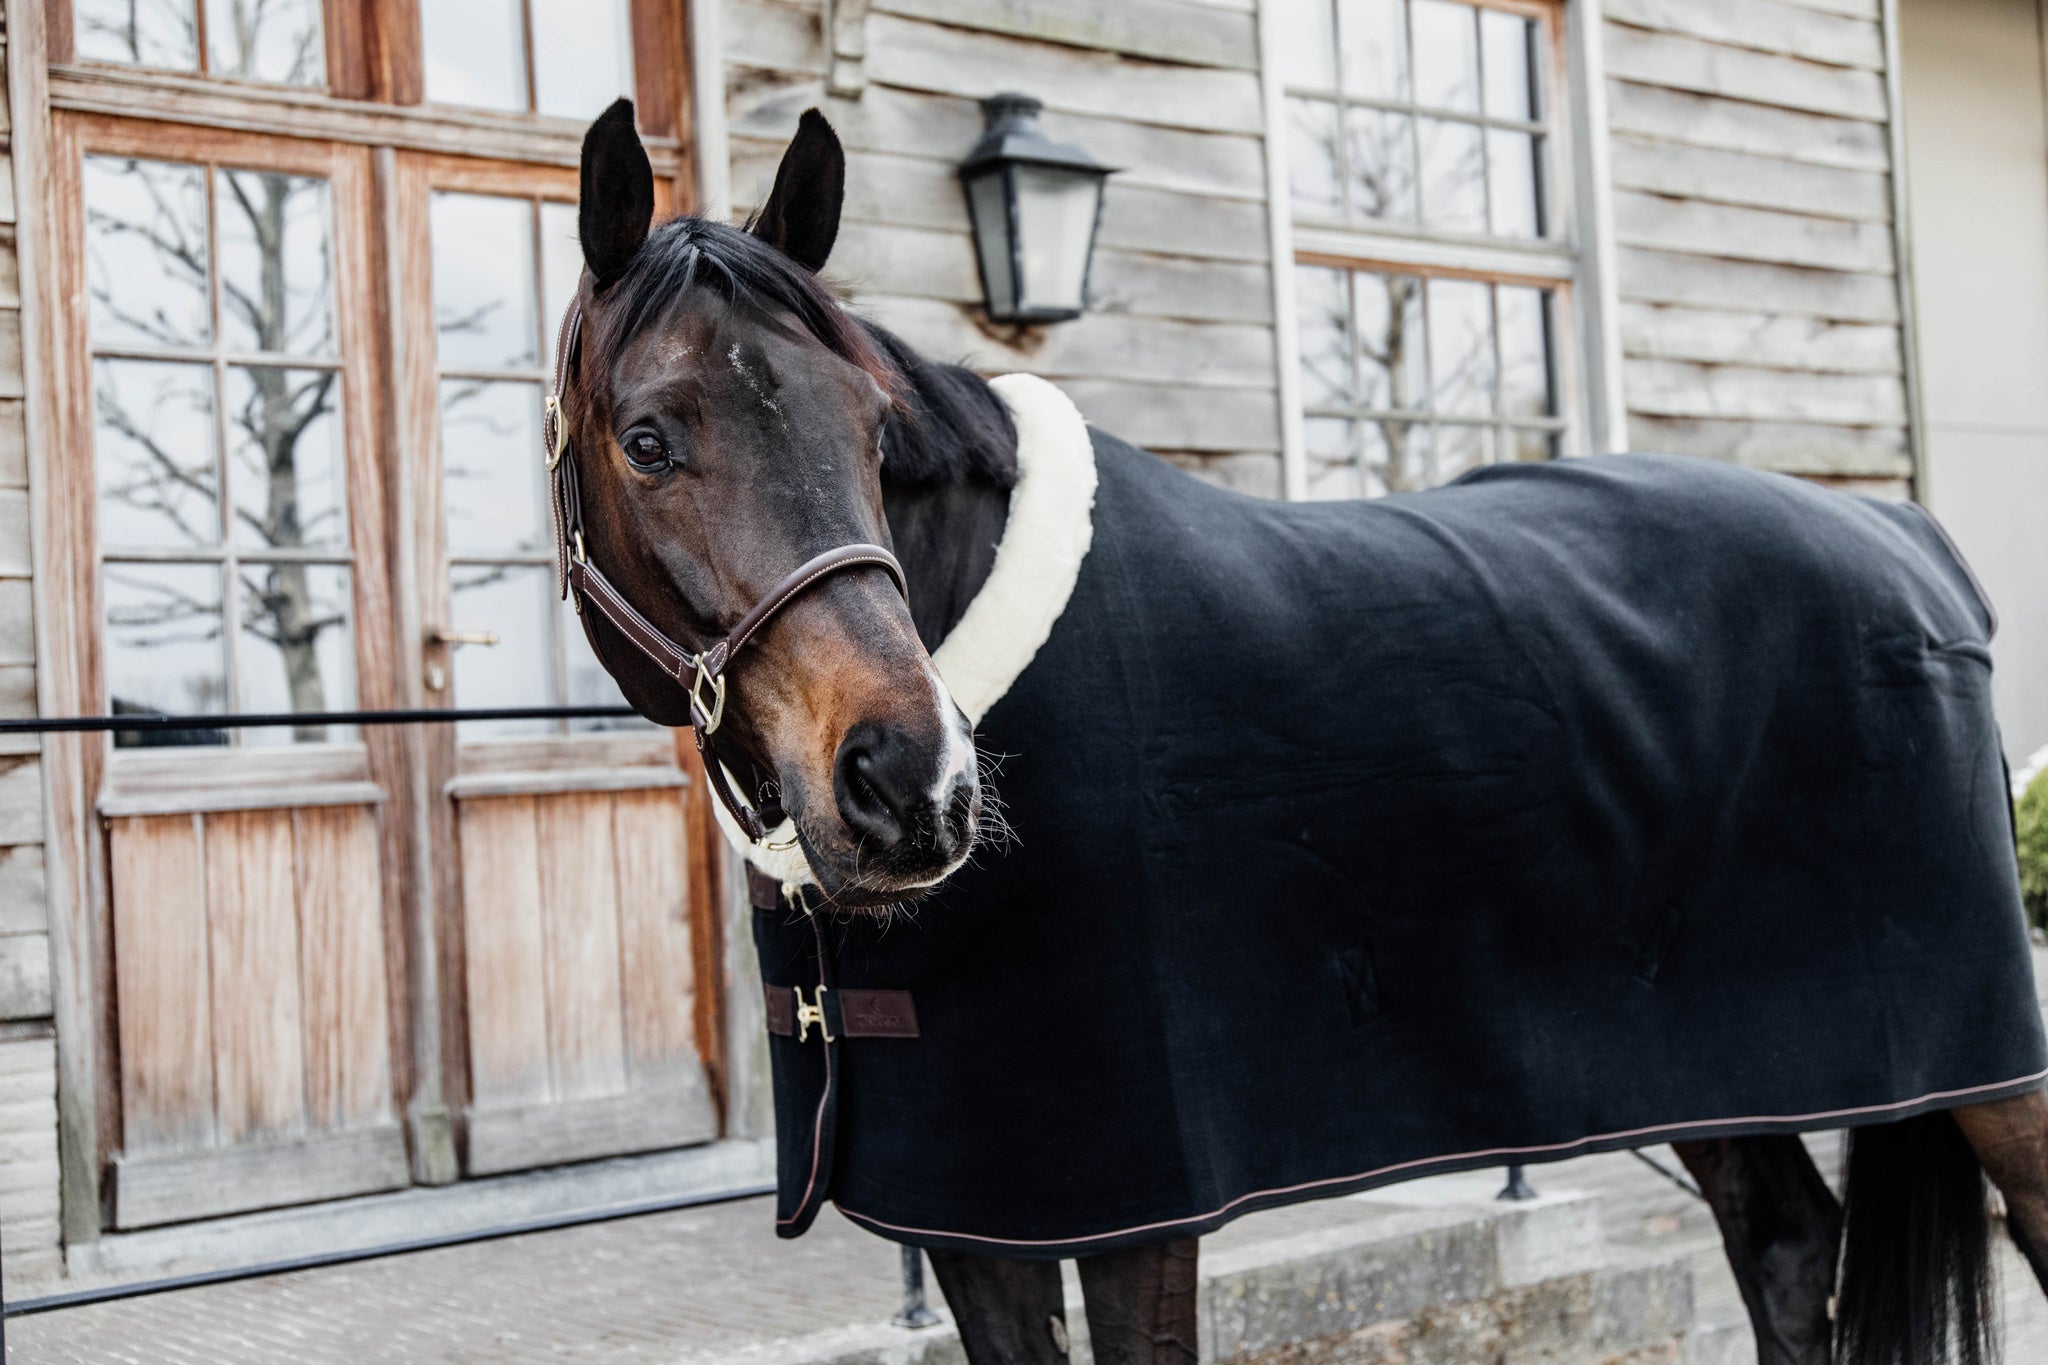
(1141, 1303)
(2010, 1138)
(1781, 1226)
(1009, 1312)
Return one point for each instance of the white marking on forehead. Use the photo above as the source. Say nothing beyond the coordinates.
(752, 380)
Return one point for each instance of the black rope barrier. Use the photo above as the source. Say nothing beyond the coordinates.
(148, 722)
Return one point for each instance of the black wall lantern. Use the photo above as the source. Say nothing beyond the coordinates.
(1035, 205)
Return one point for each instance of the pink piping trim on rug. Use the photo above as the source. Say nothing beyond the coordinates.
(1552, 1149)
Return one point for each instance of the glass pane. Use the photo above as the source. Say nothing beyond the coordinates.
(491, 471)
(1396, 457)
(1460, 346)
(285, 458)
(1387, 321)
(582, 56)
(1312, 160)
(1520, 443)
(1382, 165)
(160, 33)
(1446, 55)
(1460, 448)
(1525, 375)
(1510, 42)
(164, 647)
(484, 316)
(1323, 307)
(515, 602)
(589, 684)
(1511, 161)
(1375, 49)
(561, 269)
(266, 40)
(992, 238)
(1453, 176)
(1308, 48)
(474, 52)
(153, 448)
(145, 246)
(1056, 223)
(296, 653)
(1331, 445)
(276, 265)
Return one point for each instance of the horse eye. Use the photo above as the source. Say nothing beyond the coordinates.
(644, 450)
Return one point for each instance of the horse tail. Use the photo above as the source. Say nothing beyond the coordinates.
(1916, 1284)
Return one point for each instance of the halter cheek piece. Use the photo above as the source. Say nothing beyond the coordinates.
(703, 672)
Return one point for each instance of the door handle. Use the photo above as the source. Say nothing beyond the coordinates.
(441, 636)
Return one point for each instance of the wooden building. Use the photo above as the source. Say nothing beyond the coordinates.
(276, 285)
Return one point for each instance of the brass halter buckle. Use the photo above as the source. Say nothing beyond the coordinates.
(707, 716)
(551, 422)
(809, 1013)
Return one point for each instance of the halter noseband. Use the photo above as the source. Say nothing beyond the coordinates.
(703, 672)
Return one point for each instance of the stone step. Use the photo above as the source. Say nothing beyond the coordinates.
(1437, 1272)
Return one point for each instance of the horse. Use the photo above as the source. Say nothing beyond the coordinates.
(784, 527)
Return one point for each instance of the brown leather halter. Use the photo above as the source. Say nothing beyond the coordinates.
(702, 673)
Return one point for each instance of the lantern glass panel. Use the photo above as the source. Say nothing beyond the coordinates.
(986, 201)
(1056, 223)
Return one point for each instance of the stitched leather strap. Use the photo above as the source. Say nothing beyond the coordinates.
(591, 590)
(847, 1013)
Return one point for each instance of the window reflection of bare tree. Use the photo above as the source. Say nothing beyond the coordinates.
(150, 32)
(166, 33)
(1386, 331)
(278, 309)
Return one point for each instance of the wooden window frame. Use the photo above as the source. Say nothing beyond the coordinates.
(1559, 261)
(375, 93)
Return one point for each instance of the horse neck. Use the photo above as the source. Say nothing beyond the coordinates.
(956, 452)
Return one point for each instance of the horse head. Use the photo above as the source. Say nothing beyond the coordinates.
(726, 417)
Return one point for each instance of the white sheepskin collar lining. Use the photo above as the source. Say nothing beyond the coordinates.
(1037, 563)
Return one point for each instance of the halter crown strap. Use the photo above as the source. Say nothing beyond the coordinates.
(702, 672)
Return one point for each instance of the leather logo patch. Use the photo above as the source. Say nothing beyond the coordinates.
(878, 1014)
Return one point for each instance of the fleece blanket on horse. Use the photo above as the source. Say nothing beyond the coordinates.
(1572, 806)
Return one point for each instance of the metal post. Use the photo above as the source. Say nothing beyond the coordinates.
(914, 1312)
(1518, 1187)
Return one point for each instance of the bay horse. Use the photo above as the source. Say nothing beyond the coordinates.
(774, 516)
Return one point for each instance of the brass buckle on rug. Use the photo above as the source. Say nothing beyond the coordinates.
(808, 1014)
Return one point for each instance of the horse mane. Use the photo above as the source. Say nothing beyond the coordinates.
(947, 425)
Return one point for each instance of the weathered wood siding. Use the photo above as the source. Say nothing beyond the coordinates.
(1760, 313)
(1177, 351)
(28, 1061)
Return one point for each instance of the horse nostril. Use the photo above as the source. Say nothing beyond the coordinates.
(877, 794)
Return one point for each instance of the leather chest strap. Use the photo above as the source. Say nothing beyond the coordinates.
(794, 1012)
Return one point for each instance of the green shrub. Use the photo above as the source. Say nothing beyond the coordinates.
(2033, 821)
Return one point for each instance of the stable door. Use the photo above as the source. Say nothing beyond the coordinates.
(575, 914)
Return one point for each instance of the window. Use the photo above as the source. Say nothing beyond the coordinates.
(239, 359)
(218, 443)
(275, 41)
(1432, 254)
(494, 320)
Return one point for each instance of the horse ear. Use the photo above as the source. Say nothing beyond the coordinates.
(616, 206)
(801, 216)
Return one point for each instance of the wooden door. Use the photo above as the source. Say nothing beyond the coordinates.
(577, 952)
(222, 384)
